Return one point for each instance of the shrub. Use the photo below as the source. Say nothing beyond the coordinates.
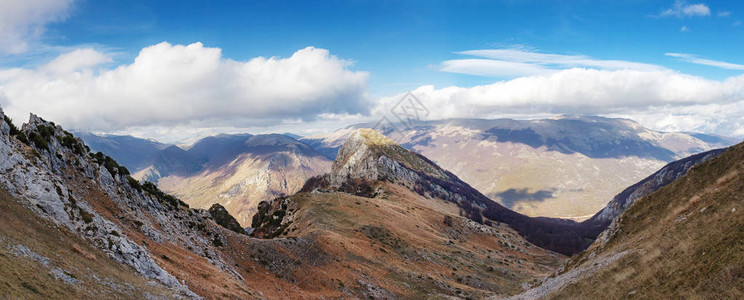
(13, 128)
(69, 141)
(224, 219)
(134, 183)
(163, 197)
(39, 141)
(45, 132)
(123, 171)
(111, 165)
(217, 242)
(86, 216)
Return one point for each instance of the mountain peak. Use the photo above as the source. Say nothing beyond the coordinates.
(369, 155)
(370, 137)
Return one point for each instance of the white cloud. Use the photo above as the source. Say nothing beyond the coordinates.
(683, 9)
(489, 67)
(187, 85)
(645, 94)
(684, 29)
(22, 22)
(724, 13)
(520, 62)
(690, 58)
(76, 60)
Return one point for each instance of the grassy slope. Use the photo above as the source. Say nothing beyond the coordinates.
(399, 242)
(686, 239)
(25, 277)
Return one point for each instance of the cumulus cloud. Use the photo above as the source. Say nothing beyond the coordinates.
(683, 9)
(691, 58)
(21, 22)
(521, 62)
(591, 91)
(183, 84)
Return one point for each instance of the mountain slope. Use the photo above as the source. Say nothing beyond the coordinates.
(397, 244)
(590, 159)
(666, 175)
(368, 156)
(40, 260)
(134, 153)
(682, 241)
(236, 171)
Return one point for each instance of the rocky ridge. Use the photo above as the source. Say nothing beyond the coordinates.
(52, 172)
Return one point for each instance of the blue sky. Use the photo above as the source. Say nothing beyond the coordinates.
(400, 46)
(401, 42)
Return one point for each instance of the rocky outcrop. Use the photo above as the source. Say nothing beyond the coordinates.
(89, 194)
(224, 219)
(368, 156)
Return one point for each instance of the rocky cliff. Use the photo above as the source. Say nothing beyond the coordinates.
(55, 177)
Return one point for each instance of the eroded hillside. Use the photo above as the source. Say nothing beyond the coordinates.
(683, 241)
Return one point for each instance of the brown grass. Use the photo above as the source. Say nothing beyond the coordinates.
(25, 278)
(695, 257)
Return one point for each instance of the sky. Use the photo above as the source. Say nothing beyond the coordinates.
(173, 70)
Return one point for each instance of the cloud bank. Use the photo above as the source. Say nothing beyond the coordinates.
(183, 84)
(22, 22)
(659, 99)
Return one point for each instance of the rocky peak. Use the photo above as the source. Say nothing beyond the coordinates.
(369, 155)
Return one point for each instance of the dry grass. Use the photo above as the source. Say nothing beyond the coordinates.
(688, 240)
(23, 277)
(399, 242)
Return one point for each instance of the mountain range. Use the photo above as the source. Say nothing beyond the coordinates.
(383, 222)
(567, 167)
(236, 171)
(590, 159)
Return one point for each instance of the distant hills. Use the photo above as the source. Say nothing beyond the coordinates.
(383, 222)
(234, 170)
(566, 167)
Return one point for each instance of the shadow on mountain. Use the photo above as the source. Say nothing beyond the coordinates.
(601, 139)
(510, 197)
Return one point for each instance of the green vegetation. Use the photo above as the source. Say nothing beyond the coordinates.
(15, 132)
(38, 141)
(134, 183)
(683, 241)
(86, 216)
(69, 141)
(267, 222)
(163, 197)
(217, 242)
(224, 219)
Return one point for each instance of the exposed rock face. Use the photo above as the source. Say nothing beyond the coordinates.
(370, 156)
(58, 180)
